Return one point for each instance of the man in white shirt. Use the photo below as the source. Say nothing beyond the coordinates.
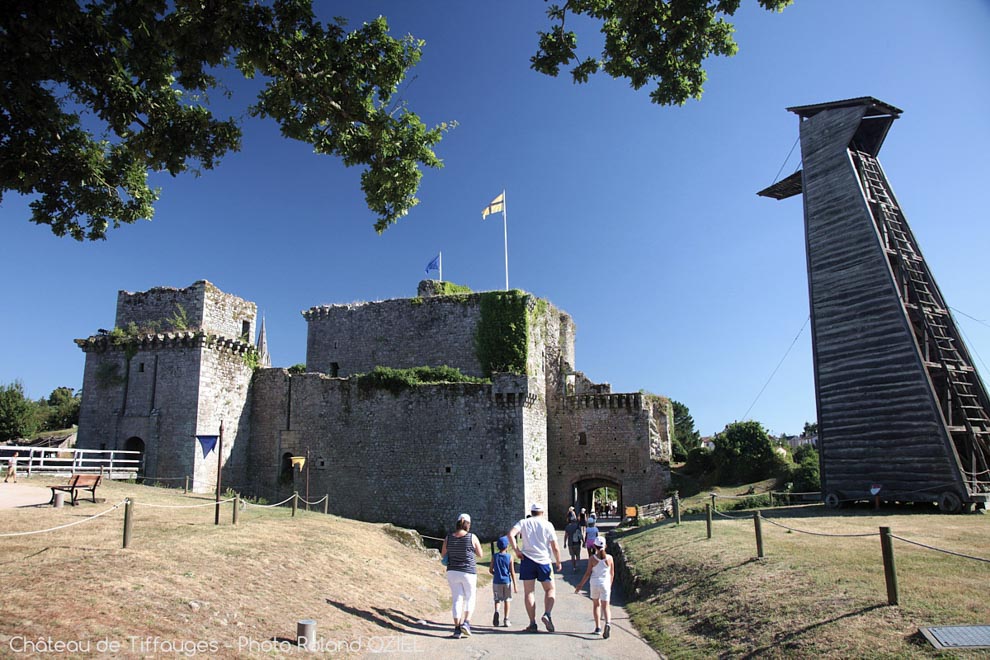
(539, 539)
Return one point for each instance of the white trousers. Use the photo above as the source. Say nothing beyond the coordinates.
(463, 590)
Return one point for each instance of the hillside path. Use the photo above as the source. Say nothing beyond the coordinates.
(571, 615)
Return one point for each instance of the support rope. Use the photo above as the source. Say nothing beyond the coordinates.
(77, 522)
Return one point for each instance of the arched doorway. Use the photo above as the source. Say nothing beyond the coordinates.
(135, 443)
(598, 494)
(285, 475)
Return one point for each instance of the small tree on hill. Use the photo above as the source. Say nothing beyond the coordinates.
(743, 452)
(685, 437)
(17, 413)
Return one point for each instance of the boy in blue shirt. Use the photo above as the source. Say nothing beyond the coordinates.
(503, 580)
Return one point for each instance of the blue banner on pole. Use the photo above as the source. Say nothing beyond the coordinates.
(207, 442)
(433, 265)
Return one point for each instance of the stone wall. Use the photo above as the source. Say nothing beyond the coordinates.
(417, 458)
(343, 340)
(621, 439)
(205, 307)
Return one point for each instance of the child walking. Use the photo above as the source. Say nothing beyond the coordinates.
(601, 572)
(503, 580)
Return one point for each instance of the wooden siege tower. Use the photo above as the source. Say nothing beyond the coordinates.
(901, 407)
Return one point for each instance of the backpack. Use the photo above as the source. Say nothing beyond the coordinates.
(576, 537)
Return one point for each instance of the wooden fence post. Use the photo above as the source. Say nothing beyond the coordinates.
(677, 507)
(889, 570)
(714, 506)
(128, 520)
(186, 491)
(237, 507)
(326, 504)
(758, 524)
(771, 499)
(295, 502)
(708, 516)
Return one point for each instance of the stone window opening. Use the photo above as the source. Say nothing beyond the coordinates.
(582, 438)
(140, 367)
(246, 330)
(334, 369)
(447, 470)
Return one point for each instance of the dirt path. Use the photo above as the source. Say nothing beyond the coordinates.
(572, 619)
(23, 493)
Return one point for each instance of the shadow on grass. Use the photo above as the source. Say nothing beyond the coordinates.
(783, 640)
(393, 619)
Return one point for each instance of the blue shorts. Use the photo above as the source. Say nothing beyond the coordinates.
(530, 570)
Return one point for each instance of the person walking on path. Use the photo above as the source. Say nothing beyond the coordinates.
(461, 549)
(503, 573)
(601, 572)
(539, 540)
(574, 541)
(590, 534)
(12, 468)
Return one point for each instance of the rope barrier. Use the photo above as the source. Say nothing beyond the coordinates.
(269, 506)
(931, 547)
(432, 538)
(803, 531)
(77, 522)
(313, 503)
(725, 515)
(184, 506)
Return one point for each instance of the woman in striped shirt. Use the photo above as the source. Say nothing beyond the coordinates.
(461, 550)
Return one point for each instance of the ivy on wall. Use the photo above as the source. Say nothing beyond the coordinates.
(503, 332)
(397, 380)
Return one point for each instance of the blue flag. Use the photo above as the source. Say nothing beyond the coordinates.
(207, 442)
(433, 265)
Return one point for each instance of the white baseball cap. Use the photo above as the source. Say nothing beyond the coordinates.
(465, 517)
(536, 507)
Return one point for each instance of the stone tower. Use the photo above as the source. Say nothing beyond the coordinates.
(176, 364)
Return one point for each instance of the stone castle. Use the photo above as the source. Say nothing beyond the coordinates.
(181, 361)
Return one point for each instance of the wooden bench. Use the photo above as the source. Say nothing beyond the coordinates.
(78, 482)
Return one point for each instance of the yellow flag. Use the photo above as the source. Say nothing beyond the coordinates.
(298, 461)
(497, 206)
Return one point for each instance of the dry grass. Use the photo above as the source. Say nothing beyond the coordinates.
(811, 595)
(185, 579)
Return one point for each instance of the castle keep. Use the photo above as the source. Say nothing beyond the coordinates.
(531, 428)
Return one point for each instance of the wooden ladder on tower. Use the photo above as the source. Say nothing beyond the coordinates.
(960, 392)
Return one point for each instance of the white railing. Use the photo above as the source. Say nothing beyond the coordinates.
(115, 463)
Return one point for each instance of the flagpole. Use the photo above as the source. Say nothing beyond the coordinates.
(505, 233)
(216, 519)
(440, 265)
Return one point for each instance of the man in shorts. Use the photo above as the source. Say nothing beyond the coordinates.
(539, 540)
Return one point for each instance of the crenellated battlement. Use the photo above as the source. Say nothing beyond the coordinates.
(164, 340)
(630, 401)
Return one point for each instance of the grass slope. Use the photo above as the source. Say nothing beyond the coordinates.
(183, 578)
(811, 596)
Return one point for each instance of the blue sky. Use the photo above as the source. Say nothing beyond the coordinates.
(642, 222)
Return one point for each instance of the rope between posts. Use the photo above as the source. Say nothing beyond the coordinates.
(931, 547)
(268, 506)
(803, 531)
(184, 506)
(77, 522)
(725, 515)
(313, 503)
(432, 538)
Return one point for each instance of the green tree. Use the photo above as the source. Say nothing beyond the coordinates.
(62, 409)
(141, 72)
(744, 452)
(685, 437)
(97, 95)
(662, 43)
(810, 429)
(17, 413)
(806, 474)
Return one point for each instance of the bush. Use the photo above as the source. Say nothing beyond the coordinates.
(744, 453)
(700, 460)
(805, 474)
